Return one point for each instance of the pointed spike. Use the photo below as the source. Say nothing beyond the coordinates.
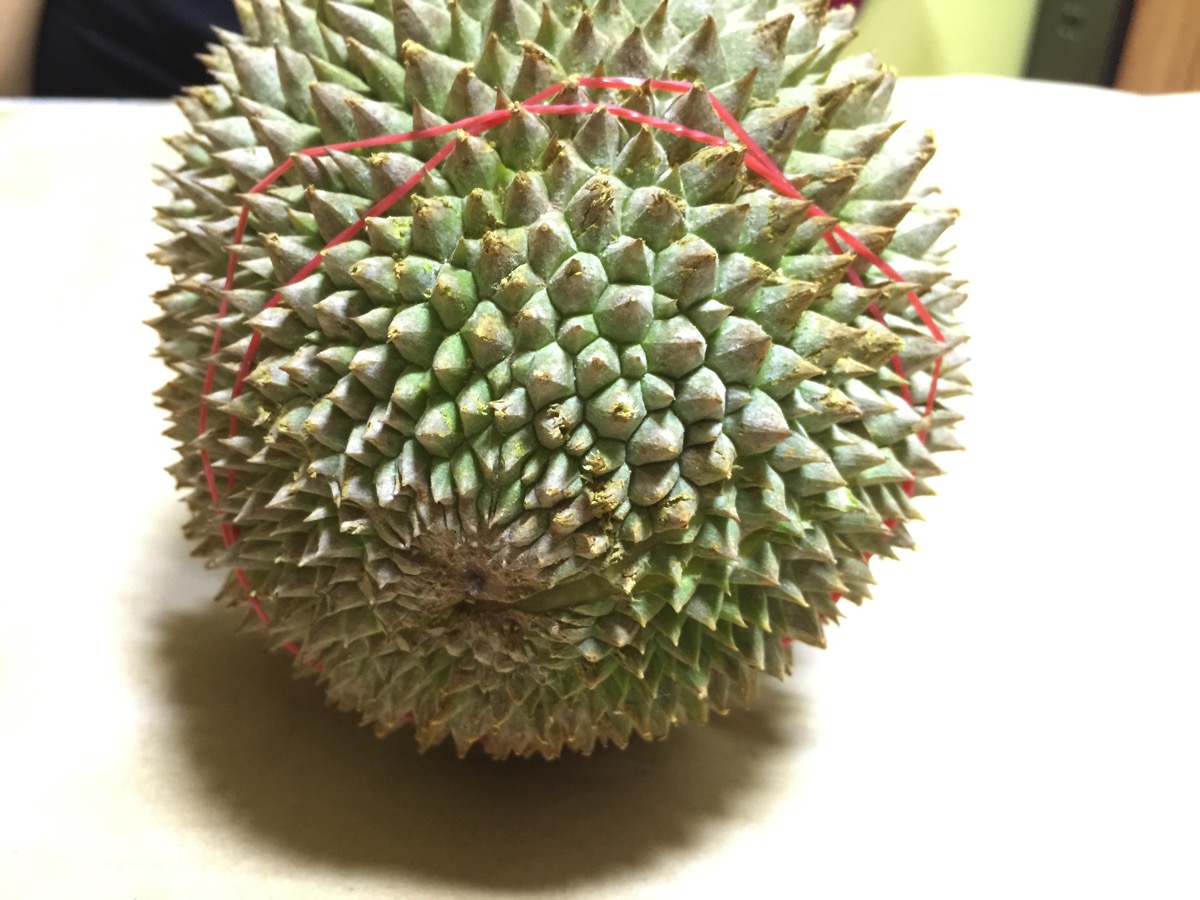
(257, 72)
(330, 103)
(720, 224)
(585, 48)
(283, 139)
(551, 31)
(525, 200)
(497, 65)
(473, 163)
(334, 212)
(762, 46)
(627, 260)
(736, 95)
(427, 24)
(550, 244)
(892, 174)
(423, 118)
(511, 20)
(463, 38)
(295, 75)
(594, 213)
(633, 58)
(365, 26)
(565, 172)
(775, 130)
(694, 110)
(655, 216)
(714, 175)
(522, 140)
(660, 33)
(383, 74)
(642, 160)
(599, 139)
(301, 22)
(374, 119)
(612, 17)
(537, 72)
(468, 96)
(698, 57)
(428, 75)
(340, 74)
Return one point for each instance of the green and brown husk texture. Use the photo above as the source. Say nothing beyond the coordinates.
(575, 440)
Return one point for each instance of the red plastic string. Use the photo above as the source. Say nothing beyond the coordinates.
(755, 159)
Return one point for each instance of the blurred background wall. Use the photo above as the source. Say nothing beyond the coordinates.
(1147, 46)
(1156, 49)
(949, 37)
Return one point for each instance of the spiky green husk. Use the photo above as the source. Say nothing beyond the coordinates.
(570, 443)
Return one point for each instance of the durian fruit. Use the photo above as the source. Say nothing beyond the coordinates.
(575, 438)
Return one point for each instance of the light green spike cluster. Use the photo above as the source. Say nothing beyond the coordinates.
(580, 435)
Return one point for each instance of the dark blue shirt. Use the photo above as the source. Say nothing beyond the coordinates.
(125, 48)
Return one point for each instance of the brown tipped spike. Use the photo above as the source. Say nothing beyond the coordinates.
(594, 213)
(374, 119)
(641, 161)
(472, 164)
(584, 49)
(599, 139)
(655, 216)
(823, 105)
(571, 94)
(660, 33)
(565, 172)
(464, 41)
(525, 200)
(694, 110)
(497, 65)
(714, 175)
(832, 183)
(429, 75)
(763, 47)
(512, 20)
(468, 96)
(698, 57)
(424, 23)
(538, 71)
(736, 95)
(775, 130)
(383, 74)
(633, 57)
(522, 140)
(333, 114)
(639, 99)
(551, 31)
(365, 26)
(390, 169)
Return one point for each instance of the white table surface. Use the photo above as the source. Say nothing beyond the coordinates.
(1013, 716)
